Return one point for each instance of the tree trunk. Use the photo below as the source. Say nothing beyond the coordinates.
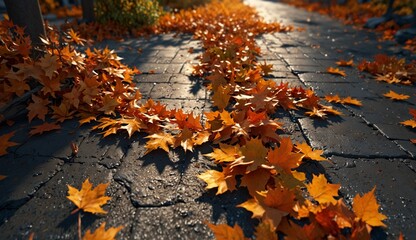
(26, 13)
(87, 10)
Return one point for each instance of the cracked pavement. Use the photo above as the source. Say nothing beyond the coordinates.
(158, 196)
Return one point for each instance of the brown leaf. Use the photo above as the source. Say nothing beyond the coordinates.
(5, 143)
(225, 232)
(45, 127)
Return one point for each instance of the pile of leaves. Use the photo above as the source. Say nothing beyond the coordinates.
(354, 12)
(95, 86)
(249, 146)
(390, 69)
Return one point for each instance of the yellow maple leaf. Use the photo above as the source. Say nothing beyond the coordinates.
(366, 209)
(225, 232)
(396, 96)
(88, 199)
(409, 123)
(5, 143)
(102, 234)
(283, 157)
(322, 191)
(226, 153)
(309, 153)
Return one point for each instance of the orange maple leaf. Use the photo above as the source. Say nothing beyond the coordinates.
(88, 199)
(254, 155)
(333, 98)
(309, 153)
(396, 96)
(317, 112)
(45, 127)
(224, 180)
(2, 177)
(322, 191)
(351, 101)
(102, 234)
(38, 108)
(344, 63)
(225, 232)
(409, 123)
(159, 140)
(5, 143)
(336, 71)
(366, 209)
(283, 157)
(266, 230)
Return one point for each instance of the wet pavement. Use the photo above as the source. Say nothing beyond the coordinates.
(158, 196)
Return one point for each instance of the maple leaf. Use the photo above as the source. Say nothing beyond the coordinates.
(2, 177)
(109, 105)
(351, 101)
(101, 234)
(283, 157)
(49, 64)
(159, 140)
(309, 153)
(366, 209)
(131, 125)
(221, 96)
(226, 153)
(17, 87)
(256, 180)
(5, 143)
(409, 123)
(265, 230)
(62, 112)
(343, 63)
(321, 190)
(185, 140)
(225, 232)
(333, 98)
(336, 71)
(254, 154)
(38, 108)
(396, 96)
(316, 112)
(45, 127)
(89, 199)
(224, 180)
(413, 141)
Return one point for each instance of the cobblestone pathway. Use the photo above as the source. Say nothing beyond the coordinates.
(157, 196)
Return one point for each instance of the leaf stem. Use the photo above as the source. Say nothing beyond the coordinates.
(79, 226)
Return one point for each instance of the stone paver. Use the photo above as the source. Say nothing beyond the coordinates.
(158, 196)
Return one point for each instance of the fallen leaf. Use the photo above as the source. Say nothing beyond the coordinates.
(309, 153)
(322, 191)
(336, 71)
(283, 157)
(225, 232)
(333, 98)
(409, 123)
(343, 63)
(101, 234)
(366, 209)
(159, 140)
(265, 230)
(88, 199)
(396, 96)
(351, 101)
(226, 153)
(5, 143)
(45, 127)
(224, 180)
